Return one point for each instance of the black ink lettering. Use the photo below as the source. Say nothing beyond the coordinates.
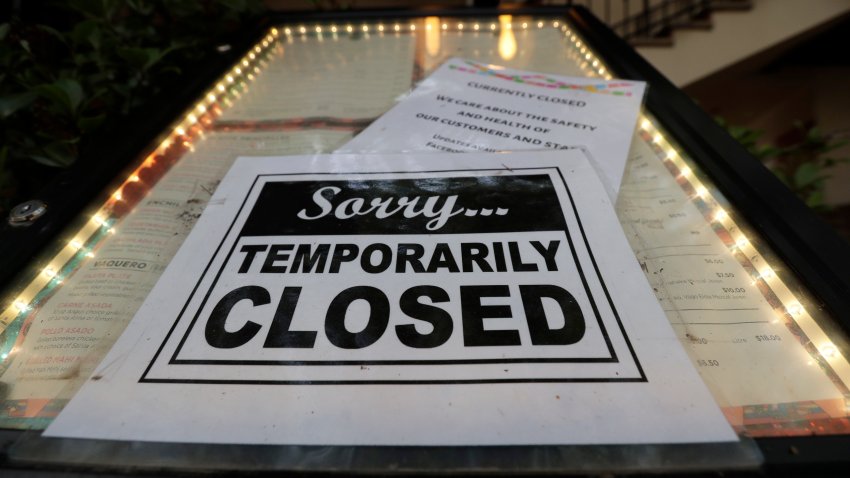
(474, 252)
(437, 317)
(548, 253)
(215, 332)
(343, 253)
(303, 256)
(386, 254)
(474, 313)
(379, 317)
(499, 256)
(250, 251)
(278, 252)
(412, 254)
(541, 334)
(443, 258)
(279, 334)
(516, 259)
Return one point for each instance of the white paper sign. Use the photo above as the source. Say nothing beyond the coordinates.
(430, 299)
(469, 106)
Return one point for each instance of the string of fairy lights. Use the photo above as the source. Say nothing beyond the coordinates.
(740, 246)
(233, 84)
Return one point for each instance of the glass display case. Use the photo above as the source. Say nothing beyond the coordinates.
(752, 285)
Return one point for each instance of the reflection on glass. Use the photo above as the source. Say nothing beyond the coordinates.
(507, 40)
(432, 36)
(742, 250)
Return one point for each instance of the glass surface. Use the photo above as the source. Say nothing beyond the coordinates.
(772, 359)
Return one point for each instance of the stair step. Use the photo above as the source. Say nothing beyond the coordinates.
(696, 24)
(716, 5)
(666, 41)
(664, 37)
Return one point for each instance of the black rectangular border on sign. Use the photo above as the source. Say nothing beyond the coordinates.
(174, 361)
(177, 361)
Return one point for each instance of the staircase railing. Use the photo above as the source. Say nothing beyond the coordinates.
(636, 20)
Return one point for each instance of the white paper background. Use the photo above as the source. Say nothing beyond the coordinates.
(673, 406)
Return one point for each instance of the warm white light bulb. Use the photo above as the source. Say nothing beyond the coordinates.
(794, 309)
(21, 305)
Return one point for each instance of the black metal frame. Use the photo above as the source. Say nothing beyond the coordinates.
(815, 253)
(813, 250)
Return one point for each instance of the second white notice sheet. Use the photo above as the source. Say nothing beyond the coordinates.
(468, 106)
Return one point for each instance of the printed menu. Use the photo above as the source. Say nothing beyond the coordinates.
(65, 339)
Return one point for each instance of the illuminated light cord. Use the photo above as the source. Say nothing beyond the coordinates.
(21, 305)
(795, 309)
(791, 305)
(829, 351)
(101, 221)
